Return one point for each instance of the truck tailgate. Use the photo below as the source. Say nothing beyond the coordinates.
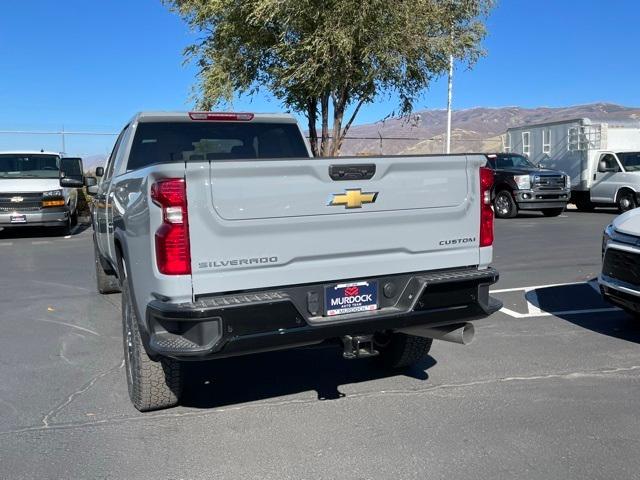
(263, 223)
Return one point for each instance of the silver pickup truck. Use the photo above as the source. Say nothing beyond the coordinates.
(227, 238)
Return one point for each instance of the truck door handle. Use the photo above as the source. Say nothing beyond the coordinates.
(352, 172)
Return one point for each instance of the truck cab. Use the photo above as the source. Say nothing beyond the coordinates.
(616, 180)
(31, 194)
(521, 185)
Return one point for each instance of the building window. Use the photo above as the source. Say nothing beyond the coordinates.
(507, 143)
(526, 144)
(546, 140)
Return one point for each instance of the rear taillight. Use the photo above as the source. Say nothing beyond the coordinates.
(173, 254)
(486, 212)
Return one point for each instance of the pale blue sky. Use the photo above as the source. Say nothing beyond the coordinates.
(90, 65)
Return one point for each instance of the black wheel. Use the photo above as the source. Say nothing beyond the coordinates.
(74, 218)
(583, 203)
(106, 283)
(399, 350)
(504, 205)
(152, 384)
(626, 201)
(552, 212)
(65, 229)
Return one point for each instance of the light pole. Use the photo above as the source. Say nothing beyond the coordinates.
(449, 92)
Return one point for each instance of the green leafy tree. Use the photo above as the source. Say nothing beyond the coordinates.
(328, 58)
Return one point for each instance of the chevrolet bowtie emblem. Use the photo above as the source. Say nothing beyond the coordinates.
(16, 199)
(354, 198)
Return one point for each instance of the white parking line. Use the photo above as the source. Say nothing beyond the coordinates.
(40, 242)
(531, 298)
(538, 287)
(6, 244)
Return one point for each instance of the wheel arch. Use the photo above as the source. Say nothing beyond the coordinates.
(623, 189)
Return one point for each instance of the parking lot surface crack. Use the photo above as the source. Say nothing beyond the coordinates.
(48, 425)
(52, 413)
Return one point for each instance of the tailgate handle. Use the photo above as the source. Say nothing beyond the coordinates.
(352, 172)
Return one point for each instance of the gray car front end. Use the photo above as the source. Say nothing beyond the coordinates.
(620, 277)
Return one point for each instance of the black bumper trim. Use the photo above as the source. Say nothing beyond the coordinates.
(236, 324)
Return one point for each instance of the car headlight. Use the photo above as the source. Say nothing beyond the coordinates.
(53, 194)
(567, 181)
(523, 182)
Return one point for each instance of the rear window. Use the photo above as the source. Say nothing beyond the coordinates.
(165, 142)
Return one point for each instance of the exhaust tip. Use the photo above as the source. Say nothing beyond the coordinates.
(468, 333)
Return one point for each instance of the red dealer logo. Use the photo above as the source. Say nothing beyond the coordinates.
(351, 291)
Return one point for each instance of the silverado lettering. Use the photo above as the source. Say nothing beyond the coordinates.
(237, 262)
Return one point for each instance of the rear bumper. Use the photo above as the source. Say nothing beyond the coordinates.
(53, 217)
(541, 199)
(230, 325)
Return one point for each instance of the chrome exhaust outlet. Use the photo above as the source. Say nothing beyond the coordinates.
(462, 333)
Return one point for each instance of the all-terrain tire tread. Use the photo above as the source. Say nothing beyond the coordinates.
(406, 350)
(153, 384)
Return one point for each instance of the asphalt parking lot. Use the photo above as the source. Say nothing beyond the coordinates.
(550, 388)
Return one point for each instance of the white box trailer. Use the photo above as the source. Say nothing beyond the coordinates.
(602, 159)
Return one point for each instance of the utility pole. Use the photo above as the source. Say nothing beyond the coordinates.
(449, 92)
(64, 147)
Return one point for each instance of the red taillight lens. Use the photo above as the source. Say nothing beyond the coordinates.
(173, 254)
(486, 212)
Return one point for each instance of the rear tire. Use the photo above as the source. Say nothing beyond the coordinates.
(152, 384)
(552, 212)
(504, 205)
(105, 282)
(626, 201)
(583, 204)
(402, 350)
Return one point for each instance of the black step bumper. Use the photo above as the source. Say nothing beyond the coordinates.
(229, 325)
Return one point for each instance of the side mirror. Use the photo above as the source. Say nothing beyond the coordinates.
(71, 172)
(92, 190)
(603, 168)
(90, 181)
(99, 171)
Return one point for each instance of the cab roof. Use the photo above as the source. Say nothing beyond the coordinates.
(28, 152)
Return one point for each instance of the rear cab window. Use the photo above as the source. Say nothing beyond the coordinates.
(167, 142)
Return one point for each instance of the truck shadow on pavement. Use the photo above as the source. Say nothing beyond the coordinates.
(40, 232)
(251, 378)
(582, 305)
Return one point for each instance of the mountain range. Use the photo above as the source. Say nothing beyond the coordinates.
(478, 129)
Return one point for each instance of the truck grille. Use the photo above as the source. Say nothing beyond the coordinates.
(29, 201)
(622, 265)
(555, 182)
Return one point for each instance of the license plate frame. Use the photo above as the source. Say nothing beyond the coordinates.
(18, 218)
(351, 297)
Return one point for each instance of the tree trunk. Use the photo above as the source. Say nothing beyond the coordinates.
(312, 117)
(324, 106)
(339, 105)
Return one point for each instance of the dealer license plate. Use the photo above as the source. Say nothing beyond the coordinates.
(351, 298)
(18, 219)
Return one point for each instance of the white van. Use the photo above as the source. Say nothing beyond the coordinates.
(30, 192)
(602, 159)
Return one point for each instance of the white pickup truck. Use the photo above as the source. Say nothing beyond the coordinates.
(30, 192)
(227, 238)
